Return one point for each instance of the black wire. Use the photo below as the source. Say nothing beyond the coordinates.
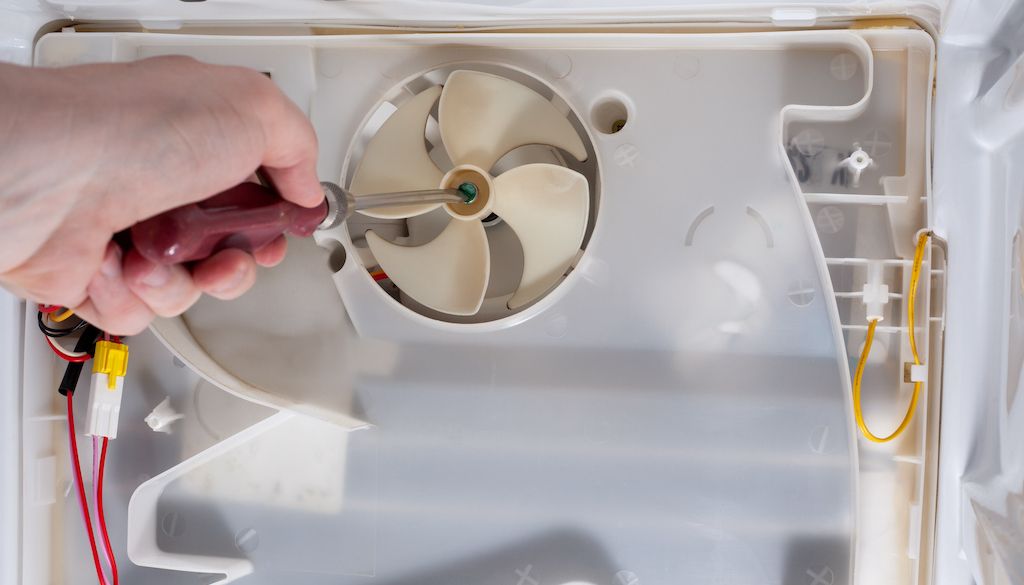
(86, 343)
(58, 331)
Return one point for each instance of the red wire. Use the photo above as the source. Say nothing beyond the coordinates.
(49, 308)
(80, 488)
(99, 511)
(379, 276)
(60, 353)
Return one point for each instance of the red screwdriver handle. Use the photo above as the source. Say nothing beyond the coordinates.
(247, 217)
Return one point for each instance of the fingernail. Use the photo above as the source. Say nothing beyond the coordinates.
(233, 282)
(158, 276)
(111, 266)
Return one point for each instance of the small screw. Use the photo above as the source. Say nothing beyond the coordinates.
(618, 125)
(469, 191)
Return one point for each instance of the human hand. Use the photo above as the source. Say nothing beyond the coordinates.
(88, 151)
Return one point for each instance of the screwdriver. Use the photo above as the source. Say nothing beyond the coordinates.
(251, 215)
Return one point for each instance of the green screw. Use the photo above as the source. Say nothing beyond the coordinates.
(469, 191)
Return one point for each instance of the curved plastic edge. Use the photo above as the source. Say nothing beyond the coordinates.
(177, 338)
(808, 113)
(143, 523)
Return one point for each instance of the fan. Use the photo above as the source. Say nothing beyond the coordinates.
(481, 117)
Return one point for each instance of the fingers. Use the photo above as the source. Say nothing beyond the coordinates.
(125, 295)
(111, 305)
(272, 254)
(225, 275)
(166, 290)
(290, 158)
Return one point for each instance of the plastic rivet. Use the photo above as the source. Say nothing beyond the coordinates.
(830, 219)
(801, 293)
(247, 540)
(626, 155)
(172, 525)
(843, 66)
(559, 65)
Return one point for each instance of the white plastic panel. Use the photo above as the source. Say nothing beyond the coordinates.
(679, 406)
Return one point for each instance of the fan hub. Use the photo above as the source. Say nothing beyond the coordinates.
(469, 180)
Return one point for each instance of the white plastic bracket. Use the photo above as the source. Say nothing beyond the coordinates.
(143, 522)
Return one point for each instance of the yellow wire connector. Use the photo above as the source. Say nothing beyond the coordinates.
(111, 359)
(915, 277)
(110, 363)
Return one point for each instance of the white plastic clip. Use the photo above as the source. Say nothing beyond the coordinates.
(875, 293)
(916, 373)
(857, 163)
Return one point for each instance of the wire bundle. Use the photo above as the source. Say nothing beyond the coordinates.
(915, 277)
(83, 352)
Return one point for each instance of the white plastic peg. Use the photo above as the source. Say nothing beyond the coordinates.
(875, 293)
(857, 163)
(162, 416)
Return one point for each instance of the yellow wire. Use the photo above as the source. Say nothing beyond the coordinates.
(63, 316)
(915, 277)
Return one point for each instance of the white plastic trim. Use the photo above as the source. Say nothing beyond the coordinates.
(143, 522)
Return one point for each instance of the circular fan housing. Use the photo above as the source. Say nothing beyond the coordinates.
(519, 147)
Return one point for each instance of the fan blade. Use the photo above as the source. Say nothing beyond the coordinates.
(547, 207)
(396, 158)
(449, 273)
(484, 116)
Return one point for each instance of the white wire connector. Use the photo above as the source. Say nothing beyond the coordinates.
(110, 363)
(875, 293)
(857, 163)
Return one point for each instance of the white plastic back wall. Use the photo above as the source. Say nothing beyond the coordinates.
(679, 406)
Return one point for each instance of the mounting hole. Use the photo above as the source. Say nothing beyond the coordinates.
(336, 256)
(609, 115)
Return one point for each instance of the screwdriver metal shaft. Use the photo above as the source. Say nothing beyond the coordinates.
(342, 204)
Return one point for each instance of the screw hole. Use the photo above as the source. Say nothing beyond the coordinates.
(609, 115)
